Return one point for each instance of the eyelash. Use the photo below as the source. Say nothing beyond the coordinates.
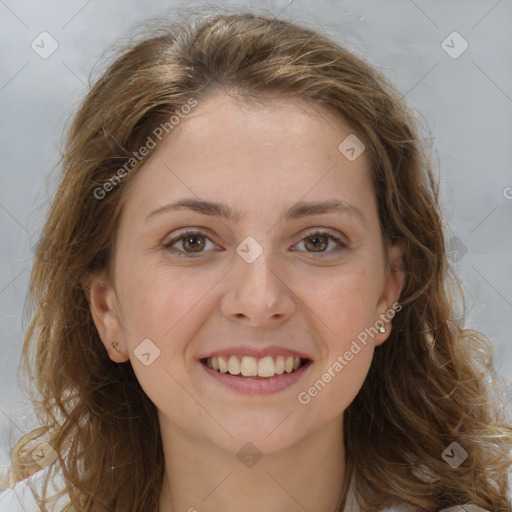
(168, 245)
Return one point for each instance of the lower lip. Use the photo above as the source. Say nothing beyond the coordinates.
(252, 385)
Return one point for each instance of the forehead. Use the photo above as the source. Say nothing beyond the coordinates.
(274, 149)
(274, 117)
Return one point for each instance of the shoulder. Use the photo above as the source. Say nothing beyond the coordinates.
(351, 504)
(21, 497)
(401, 506)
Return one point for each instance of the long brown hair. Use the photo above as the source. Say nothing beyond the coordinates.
(428, 383)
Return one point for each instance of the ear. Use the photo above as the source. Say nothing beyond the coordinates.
(394, 283)
(102, 299)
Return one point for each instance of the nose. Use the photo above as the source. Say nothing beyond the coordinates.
(258, 293)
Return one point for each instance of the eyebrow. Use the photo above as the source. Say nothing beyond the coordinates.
(296, 211)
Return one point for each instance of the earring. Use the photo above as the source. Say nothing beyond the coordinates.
(382, 329)
(115, 346)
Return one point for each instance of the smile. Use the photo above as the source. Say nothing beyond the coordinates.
(247, 366)
(252, 375)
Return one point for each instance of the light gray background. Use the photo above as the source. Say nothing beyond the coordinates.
(466, 102)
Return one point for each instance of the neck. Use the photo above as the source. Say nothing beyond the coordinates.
(200, 477)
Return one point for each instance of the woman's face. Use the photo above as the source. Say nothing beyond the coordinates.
(261, 279)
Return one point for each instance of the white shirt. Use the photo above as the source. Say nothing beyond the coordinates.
(21, 499)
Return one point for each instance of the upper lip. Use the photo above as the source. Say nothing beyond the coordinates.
(260, 352)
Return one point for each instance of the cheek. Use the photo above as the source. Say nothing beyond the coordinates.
(158, 305)
(340, 382)
(156, 300)
(346, 300)
(345, 311)
(167, 307)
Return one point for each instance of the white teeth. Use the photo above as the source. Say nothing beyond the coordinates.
(266, 367)
(249, 367)
(223, 365)
(279, 365)
(234, 365)
(252, 367)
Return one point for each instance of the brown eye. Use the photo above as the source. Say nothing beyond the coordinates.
(317, 243)
(194, 243)
(188, 244)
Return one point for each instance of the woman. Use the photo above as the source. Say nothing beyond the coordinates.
(241, 294)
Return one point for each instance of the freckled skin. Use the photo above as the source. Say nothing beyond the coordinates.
(259, 161)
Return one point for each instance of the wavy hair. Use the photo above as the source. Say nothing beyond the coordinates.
(428, 385)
